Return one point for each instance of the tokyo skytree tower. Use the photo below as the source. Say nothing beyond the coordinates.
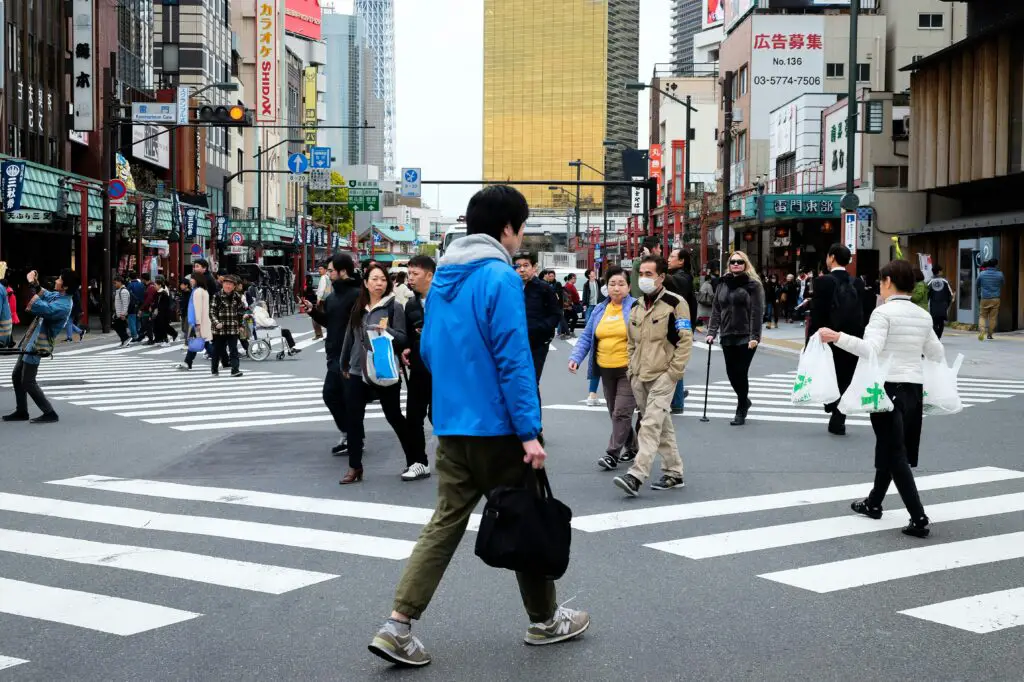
(379, 16)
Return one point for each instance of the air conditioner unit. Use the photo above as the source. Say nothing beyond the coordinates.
(737, 115)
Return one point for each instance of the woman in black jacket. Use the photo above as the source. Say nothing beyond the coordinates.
(736, 317)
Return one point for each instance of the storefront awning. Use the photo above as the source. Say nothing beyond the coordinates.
(971, 223)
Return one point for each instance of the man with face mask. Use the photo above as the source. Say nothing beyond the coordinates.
(660, 341)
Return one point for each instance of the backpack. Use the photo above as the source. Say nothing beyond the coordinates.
(847, 311)
(133, 303)
(706, 295)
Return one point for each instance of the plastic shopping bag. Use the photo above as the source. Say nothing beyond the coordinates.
(866, 394)
(816, 375)
(941, 395)
(381, 362)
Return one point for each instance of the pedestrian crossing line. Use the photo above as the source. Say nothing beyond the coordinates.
(123, 351)
(174, 348)
(183, 418)
(168, 411)
(370, 511)
(980, 614)
(283, 421)
(803, 532)
(696, 413)
(248, 531)
(632, 518)
(9, 662)
(238, 383)
(241, 575)
(90, 349)
(108, 379)
(207, 399)
(225, 392)
(112, 615)
(905, 563)
(306, 343)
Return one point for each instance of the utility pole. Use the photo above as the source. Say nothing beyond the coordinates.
(850, 201)
(686, 171)
(726, 169)
(579, 169)
(259, 202)
(111, 138)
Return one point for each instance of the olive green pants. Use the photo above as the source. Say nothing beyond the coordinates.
(466, 468)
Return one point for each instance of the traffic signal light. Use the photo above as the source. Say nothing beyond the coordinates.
(225, 115)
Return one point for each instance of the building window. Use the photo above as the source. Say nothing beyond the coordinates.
(785, 173)
(836, 70)
(892, 177)
(743, 80)
(863, 73)
(241, 162)
(712, 55)
(930, 21)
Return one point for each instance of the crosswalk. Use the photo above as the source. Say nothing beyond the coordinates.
(303, 340)
(770, 396)
(117, 506)
(154, 392)
(942, 552)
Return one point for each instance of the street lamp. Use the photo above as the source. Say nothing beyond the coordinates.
(260, 151)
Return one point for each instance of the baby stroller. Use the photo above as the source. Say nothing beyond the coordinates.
(264, 337)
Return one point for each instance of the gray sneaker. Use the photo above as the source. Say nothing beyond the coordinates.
(399, 649)
(566, 624)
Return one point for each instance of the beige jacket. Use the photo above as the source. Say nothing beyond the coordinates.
(651, 353)
(201, 303)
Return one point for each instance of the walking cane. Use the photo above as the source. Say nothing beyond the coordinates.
(707, 380)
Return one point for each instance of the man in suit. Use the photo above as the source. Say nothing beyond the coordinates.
(841, 303)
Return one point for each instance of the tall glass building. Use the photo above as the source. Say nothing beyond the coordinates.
(379, 17)
(554, 76)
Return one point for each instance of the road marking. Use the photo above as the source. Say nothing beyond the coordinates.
(979, 614)
(789, 534)
(306, 343)
(174, 348)
(91, 349)
(98, 612)
(197, 416)
(906, 563)
(371, 511)
(139, 387)
(798, 498)
(249, 531)
(250, 423)
(696, 412)
(278, 402)
(8, 662)
(209, 398)
(136, 379)
(241, 575)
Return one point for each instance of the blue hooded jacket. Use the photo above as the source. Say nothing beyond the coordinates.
(475, 344)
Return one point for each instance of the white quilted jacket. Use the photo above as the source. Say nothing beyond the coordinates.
(901, 331)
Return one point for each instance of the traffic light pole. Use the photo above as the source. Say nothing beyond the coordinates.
(259, 202)
(110, 130)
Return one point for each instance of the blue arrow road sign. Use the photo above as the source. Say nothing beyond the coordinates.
(298, 163)
(321, 157)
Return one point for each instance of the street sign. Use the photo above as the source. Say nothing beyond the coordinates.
(116, 189)
(154, 112)
(377, 238)
(298, 179)
(196, 249)
(363, 195)
(236, 250)
(321, 157)
(850, 231)
(320, 178)
(411, 186)
(235, 239)
(181, 108)
(298, 163)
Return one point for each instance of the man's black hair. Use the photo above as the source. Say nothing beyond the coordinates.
(527, 256)
(342, 262)
(119, 278)
(841, 254)
(571, 275)
(494, 208)
(900, 273)
(202, 261)
(69, 278)
(661, 267)
(146, 277)
(399, 278)
(652, 242)
(937, 270)
(686, 258)
(423, 263)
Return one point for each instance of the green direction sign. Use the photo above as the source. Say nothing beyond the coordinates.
(363, 195)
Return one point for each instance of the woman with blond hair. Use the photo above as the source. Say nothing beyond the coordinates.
(736, 316)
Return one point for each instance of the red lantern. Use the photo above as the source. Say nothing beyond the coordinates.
(749, 236)
(781, 232)
(826, 228)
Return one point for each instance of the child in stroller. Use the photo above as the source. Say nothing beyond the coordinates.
(265, 325)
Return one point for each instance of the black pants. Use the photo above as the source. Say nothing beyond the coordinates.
(286, 334)
(572, 318)
(539, 353)
(162, 328)
(846, 365)
(334, 398)
(897, 443)
(121, 328)
(357, 395)
(939, 324)
(225, 347)
(737, 367)
(23, 380)
(418, 408)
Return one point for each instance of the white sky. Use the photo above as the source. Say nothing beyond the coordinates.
(439, 88)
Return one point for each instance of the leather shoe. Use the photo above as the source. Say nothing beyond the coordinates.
(352, 476)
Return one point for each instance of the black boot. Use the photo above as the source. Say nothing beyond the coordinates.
(741, 413)
(16, 416)
(837, 423)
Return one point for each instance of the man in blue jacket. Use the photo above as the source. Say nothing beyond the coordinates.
(486, 415)
(990, 289)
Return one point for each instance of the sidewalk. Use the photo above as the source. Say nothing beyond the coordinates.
(998, 359)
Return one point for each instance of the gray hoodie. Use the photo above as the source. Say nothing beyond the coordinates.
(352, 353)
(474, 247)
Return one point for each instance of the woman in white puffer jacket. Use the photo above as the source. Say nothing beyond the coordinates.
(899, 332)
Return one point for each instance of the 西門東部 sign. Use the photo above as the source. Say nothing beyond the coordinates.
(268, 27)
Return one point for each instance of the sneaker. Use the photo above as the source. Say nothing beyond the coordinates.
(566, 624)
(416, 472)
(667, 482)
(917, 528)
(183, 367)
(627, 457)
(677, 410)
(593, 402)
(341, 448)
(608, 463)
(294, 351)
(237, 373)
(867, 509)
(398, 649)
(629, 484)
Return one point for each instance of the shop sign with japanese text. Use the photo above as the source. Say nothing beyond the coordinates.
(787, 59)
(267, 61)
(82, 70)
(801, 206)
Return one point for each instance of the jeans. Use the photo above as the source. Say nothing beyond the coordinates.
(225, 345)
(71, 328)
(595, 381)
(677, 396)
(417, 409)
(589, 312)
(133, 325)
(334, 398)
(358, 394)
(467, 468)
(23, 380)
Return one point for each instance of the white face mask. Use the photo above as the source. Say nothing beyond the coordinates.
(604, 291)
(647, 285)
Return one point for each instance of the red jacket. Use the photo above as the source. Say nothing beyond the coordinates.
(574, 296)
(149, 298)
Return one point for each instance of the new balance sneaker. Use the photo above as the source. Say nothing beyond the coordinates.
(416, 472)
(398, 649)
(629, 484)
(867, 509)
(608, 463)
(667, 482)
(566, 624)
(592, 401)
(341, 448)
(627, 457)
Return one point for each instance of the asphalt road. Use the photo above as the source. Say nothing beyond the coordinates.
(138, 544)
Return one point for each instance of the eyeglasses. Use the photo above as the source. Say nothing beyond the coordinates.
(522, 266)
(737, 262)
